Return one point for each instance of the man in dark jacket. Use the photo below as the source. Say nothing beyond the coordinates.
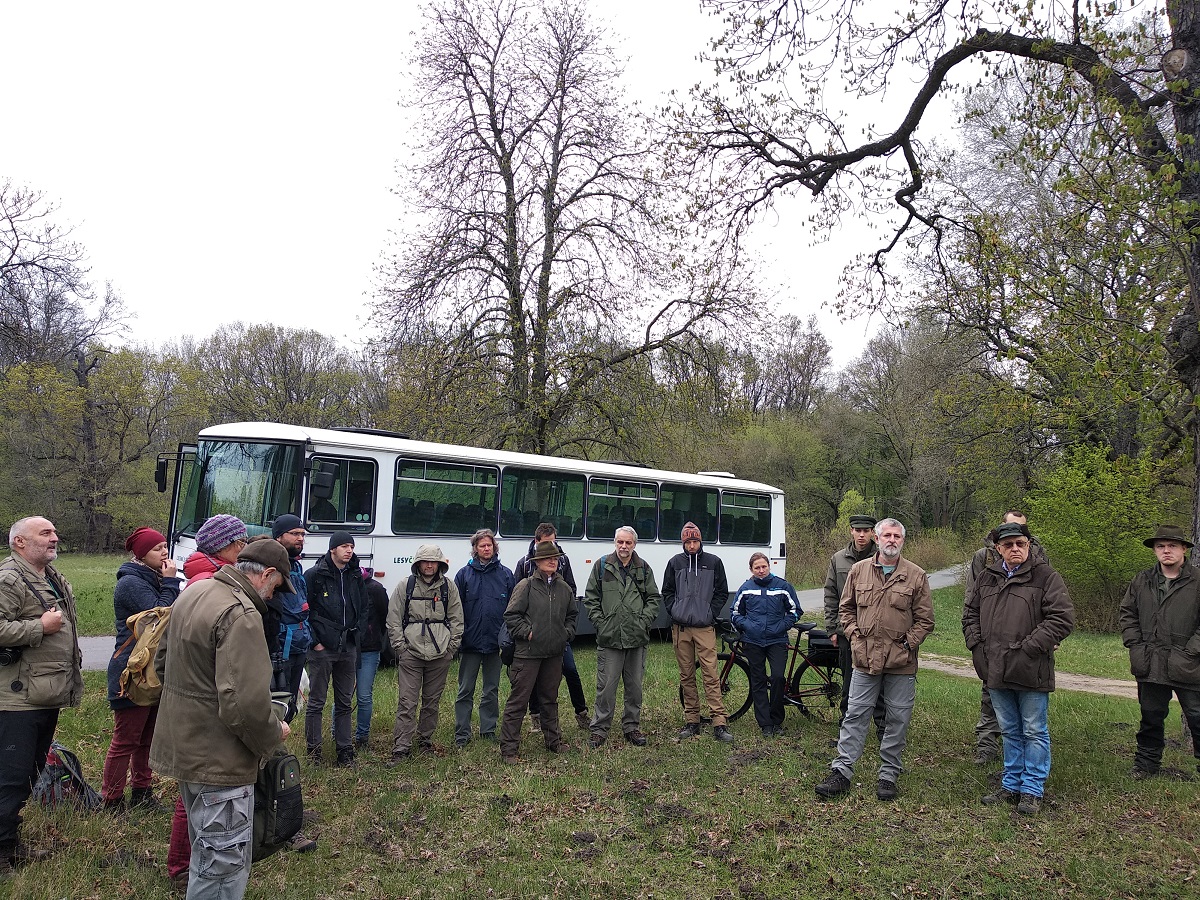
(1160, 624)
(525, 568)
(695, 590)
(485, 586)
(1017, 613)
(861, 546)
(337, 608)
(987, 730)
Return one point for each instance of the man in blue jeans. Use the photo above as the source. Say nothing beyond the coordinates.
(1017, 613)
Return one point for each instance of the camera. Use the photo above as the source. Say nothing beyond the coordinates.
(9, 656)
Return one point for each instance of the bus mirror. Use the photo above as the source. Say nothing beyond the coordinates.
(320, 485)
(160, 475)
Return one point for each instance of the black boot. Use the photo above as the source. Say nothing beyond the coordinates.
(144, 799)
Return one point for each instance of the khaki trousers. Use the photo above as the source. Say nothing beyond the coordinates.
(698, 644)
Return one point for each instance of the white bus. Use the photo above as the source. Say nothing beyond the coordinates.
(394, 494)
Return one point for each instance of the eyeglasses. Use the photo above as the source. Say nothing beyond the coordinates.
(1013, 545)
(296, 532)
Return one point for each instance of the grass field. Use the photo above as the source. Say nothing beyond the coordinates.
(696, 819)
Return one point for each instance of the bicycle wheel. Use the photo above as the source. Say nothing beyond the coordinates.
(735, 687)
(817, 690)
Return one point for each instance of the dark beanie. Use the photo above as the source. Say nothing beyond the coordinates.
(340, 537)
(285, 523)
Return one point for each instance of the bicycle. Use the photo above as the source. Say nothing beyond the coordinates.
(812, 676)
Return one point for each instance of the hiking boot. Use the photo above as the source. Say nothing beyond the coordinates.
(144, 799)
(301, 844)
(722, 734)
(345, 759)
(636, 738)
(1000, 795)
(1029, 805)
(1139, 774)
(535, 722)
(690, 730)
(12, 858)
(885, 790)
(772, 731)
(836, 783)
(561, 747)
(116, 806)
(985, 757)
(179, 882)
(511, 760)
(398, 757)
(596, 741)
(315, 755)
(461, 743)
(361, 743)
(431, 747)
(583, 719)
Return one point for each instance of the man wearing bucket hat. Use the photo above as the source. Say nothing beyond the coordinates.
(1160, 624)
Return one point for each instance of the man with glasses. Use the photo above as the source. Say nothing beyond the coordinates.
(1160, 624)
(987, 731)
(295, 636)
(1016, 615)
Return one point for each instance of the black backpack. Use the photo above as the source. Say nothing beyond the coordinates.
(278, 804)
(62, 782)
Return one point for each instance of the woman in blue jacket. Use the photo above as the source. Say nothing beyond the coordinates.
(765, 610)
(146, 581)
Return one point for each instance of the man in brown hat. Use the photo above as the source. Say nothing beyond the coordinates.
(1160, 624)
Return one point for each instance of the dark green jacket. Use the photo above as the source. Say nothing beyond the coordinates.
(545, 610)
(622, 609)
(835, 581)
(1163, 638)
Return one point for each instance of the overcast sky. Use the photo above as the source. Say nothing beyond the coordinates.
(225, 162)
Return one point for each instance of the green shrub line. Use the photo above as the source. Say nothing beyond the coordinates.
(691, 819)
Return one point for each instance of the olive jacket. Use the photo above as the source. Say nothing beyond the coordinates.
(215, 720)
(879, 613)
(621, 608)
(1163, 638)
(547, 610)
(48, 673)
(835, 580)
(1012, 625)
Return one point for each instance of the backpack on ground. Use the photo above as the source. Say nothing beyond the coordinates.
(62, 782)
(278, 804)
(139, 682)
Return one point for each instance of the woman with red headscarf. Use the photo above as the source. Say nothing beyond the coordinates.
(146, 581)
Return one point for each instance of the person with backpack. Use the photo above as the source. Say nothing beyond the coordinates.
(425, 627)
(145, 582)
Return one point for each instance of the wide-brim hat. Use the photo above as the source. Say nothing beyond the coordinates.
(545, 550)
(1168, 533)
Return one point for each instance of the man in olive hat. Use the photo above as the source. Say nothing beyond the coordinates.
(1160, 624)
(861, 546)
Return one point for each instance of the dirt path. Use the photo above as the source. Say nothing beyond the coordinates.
(1063, 681)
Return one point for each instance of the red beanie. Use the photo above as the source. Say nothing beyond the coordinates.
(143, 541)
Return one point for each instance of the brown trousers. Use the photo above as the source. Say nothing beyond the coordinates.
(694, 644)
(528, 675)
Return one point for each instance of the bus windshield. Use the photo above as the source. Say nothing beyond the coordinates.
(257, 482)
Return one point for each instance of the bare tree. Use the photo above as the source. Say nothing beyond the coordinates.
(547, 249)
(49, 310)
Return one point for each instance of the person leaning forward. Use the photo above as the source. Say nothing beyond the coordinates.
(216, 723)
(886, 612)
(694, 590)
(622, 601)
(1160, 624)
(41, 673)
